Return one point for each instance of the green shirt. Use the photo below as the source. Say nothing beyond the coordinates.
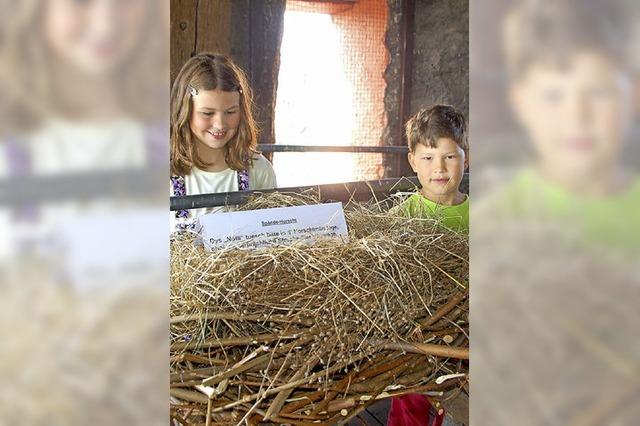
(613, 220)
(455, 218)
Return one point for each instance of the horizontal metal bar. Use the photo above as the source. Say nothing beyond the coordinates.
(350, 148)
(358, 191)
(334, 1)
(335, 191)
(36, 190)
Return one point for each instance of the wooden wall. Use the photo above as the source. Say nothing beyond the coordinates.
(198, 26)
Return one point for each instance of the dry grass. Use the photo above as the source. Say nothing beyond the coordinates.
(312, 333)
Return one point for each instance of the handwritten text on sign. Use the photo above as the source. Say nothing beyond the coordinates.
(279, 226)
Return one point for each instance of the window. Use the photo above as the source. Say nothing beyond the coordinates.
(330, 90)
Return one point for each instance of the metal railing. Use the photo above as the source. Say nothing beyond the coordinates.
(357, 191)
(317, 148)
(82, 186)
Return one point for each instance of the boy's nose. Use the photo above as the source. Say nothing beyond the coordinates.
(578, 111)
(440, 164)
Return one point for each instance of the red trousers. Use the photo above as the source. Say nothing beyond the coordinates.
(413, 410)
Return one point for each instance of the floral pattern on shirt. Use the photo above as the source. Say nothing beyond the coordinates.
(179, 189)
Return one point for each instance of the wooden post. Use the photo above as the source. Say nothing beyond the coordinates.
(183, 34)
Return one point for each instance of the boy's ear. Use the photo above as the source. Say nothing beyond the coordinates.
(412, 161)
(466, 161)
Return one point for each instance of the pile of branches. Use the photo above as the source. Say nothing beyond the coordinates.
(314, 334)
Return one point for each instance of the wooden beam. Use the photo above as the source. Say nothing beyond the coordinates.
(406, 70)
(182, 33)
(214, 26)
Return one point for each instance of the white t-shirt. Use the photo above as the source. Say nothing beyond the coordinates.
(261, 176)
(66, 147)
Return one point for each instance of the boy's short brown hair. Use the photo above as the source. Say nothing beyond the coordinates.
(537, 32)
(439, 121)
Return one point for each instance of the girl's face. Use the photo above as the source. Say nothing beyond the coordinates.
(215, 117)
(94, 35)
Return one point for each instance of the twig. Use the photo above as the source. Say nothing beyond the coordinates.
(187, 395)
(427, 349)
(234, 341)
(210, 316)
(445, 309)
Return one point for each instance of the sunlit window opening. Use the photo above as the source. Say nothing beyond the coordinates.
(314, 102)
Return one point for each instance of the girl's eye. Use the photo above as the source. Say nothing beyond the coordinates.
(207, 114)
(232, 112)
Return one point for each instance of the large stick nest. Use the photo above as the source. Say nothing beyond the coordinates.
(314, 333)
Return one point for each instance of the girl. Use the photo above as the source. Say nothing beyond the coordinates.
(213, 134)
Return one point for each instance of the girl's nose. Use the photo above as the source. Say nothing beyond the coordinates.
(219, 121)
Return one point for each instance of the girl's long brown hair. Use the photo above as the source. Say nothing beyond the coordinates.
(210, 71)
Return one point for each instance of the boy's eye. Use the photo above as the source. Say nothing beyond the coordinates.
(451, 157)
(427, 158)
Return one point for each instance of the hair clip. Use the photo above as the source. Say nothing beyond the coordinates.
(192, 90)
(240, 90)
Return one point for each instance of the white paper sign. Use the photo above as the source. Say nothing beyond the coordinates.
(279, 226)
(113, 248)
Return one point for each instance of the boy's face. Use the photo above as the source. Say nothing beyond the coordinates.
(440, 169)
(576, 116)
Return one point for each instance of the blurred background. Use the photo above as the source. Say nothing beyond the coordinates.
(83, 208)
(555, 239)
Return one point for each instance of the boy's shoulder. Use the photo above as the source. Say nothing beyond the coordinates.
(455, 217)
(418, 206)
(409, 203)
(416, 202)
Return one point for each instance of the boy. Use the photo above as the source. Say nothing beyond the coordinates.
(439, 154)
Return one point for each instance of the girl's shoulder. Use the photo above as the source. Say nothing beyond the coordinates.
(260, 162)
(262, 175)
(258, 157)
